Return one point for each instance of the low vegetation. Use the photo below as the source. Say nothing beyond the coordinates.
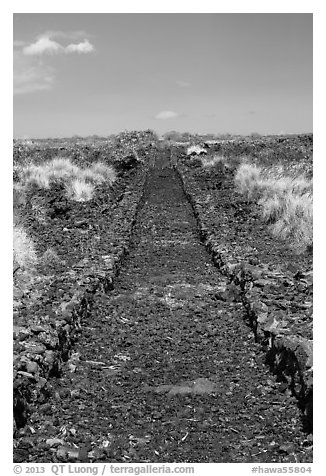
(24, 254)
(211, 162)
(79, 182)
(67, 170)
(285, 201)
(80, 190)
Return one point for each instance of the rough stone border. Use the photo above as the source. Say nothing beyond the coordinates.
(289, 356)
(48, 347)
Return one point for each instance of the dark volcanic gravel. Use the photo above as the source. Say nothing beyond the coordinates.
(163, 371)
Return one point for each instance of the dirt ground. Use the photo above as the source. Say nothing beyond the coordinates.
(238, 228)
(162, 370)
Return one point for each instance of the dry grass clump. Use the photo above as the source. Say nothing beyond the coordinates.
(49, 172)
(248, 180)
(99, 173)
(24, 253)
(79, 190)
(35, 175)
(211, 162)
(79, 182)
(286, 202)
(290, 217)
(61, 168)
(254, 181)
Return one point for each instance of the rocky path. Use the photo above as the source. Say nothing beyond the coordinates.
(164, 372)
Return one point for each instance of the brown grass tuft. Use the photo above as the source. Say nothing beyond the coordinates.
(210, 162)
(24, 253)
(79, 190)
(285, 201)
(248, 180)
(79, 182)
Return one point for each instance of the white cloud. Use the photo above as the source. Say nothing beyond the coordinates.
(183, 84)
(43, 45)
(46, 45)
(33, 74)
(83, 47)
(166, 115)
(30, 76)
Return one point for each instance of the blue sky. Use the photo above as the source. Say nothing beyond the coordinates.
(102, 73)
